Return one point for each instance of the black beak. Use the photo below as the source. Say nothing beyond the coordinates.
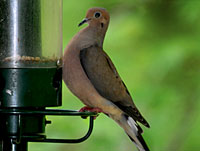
(83, 22)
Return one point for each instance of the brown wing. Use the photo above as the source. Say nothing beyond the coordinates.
(105, 78)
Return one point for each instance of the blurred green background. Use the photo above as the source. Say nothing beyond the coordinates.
(155, 45)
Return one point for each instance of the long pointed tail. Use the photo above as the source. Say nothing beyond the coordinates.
(133, 130)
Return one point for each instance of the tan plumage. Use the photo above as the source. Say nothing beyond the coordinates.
(91, 76)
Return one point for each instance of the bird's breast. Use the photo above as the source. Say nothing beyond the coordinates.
(76, 79)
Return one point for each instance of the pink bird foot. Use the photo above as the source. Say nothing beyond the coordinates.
(90, 109)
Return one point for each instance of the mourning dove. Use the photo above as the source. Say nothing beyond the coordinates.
(91, 76)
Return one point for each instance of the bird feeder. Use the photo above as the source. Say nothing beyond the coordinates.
(30, 72)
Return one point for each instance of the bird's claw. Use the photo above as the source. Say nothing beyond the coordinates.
(89, 109)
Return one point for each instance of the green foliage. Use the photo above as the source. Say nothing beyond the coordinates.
(155, 45)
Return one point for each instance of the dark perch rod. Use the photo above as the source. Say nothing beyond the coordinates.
(79, 140)
(56, 113)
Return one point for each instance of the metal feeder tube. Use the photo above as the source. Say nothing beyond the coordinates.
(30, 72)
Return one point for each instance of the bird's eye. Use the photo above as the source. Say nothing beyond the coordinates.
(97, 14)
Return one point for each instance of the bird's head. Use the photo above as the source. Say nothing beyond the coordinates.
(97, 17)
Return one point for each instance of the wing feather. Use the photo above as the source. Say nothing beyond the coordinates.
(106, 80)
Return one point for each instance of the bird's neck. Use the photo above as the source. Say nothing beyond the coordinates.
(94, 35)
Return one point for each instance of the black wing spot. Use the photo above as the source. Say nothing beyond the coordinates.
(109, 63)
(110, 66)
(126, 88)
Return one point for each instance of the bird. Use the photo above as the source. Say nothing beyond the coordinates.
(91, 76)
